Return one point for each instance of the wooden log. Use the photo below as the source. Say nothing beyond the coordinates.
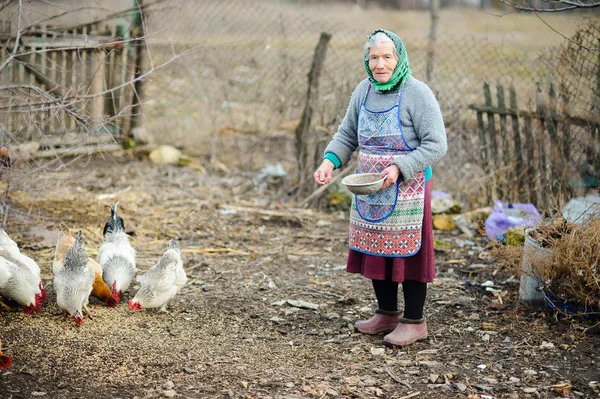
(518, 148)
(76, 151)
(303, 128)
(70, 139)
(84, 150)
(297, 214)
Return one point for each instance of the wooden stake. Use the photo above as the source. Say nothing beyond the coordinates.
(304, 126)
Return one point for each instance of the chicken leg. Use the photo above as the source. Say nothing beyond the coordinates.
(5, 306)
(87, 312)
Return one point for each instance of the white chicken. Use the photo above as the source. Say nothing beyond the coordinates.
(18, 283)
(116, 255)
(99, 289)
(161, 282)
(73, 282)
(10, 249)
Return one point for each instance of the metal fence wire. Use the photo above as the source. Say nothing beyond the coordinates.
(247, 76)
(250, 73)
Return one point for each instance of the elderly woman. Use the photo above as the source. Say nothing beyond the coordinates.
(396, 123)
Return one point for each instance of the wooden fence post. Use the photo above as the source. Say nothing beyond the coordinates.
(434, 11)
(484, 156)
(566, 140)
(140, 69)
(493, 139)
(303, 127)
(97, 85)
(531, 169)
(556, 167)
(538, 172)
(594, 152)
(542, 159)
(505, 185)
(518, 146)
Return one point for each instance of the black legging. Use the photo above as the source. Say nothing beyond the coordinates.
(415, 292)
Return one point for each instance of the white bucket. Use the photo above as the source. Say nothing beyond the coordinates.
(529, 292)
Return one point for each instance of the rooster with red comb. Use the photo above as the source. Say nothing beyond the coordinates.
(116, 255)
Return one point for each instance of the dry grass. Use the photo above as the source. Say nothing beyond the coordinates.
(572, 269)
(567, 263)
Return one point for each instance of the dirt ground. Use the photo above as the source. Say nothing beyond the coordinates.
(268, 310)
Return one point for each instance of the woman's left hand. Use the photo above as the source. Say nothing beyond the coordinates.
(393, 174)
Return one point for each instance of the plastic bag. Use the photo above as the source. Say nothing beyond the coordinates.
(582, 210)
(506, 215)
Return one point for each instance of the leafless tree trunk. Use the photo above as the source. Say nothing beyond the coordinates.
(303, 129)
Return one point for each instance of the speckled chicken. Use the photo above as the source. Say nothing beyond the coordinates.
(116, 255)
(5, 360)
(18, 284)
(10, 249)
(99, 289)
(73, 282)
(161, 282)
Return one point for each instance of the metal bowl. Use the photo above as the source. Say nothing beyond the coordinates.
(364, 183)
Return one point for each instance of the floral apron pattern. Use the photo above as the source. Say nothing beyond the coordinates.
(388, 222)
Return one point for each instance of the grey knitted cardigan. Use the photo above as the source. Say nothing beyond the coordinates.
(422, 125)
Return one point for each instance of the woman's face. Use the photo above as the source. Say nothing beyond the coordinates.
(382, 62)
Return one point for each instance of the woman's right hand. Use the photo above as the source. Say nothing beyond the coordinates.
(324, 173)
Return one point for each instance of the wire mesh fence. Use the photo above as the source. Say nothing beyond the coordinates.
(251, 72)
(245, 81)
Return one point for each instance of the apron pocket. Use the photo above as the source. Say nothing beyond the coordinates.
(378, 206)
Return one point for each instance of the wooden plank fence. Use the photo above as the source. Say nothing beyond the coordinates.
(61, 78)
(544, 156)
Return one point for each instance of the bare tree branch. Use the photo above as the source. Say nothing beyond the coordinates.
(569, 5)
(5, 4)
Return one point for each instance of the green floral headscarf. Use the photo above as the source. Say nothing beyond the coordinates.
(401, 72)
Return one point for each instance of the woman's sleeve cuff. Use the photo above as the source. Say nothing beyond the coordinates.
(334, 159)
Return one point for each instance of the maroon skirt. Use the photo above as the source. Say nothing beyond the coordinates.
(419, 267)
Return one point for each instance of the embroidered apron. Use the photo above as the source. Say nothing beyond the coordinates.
(388, 222)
